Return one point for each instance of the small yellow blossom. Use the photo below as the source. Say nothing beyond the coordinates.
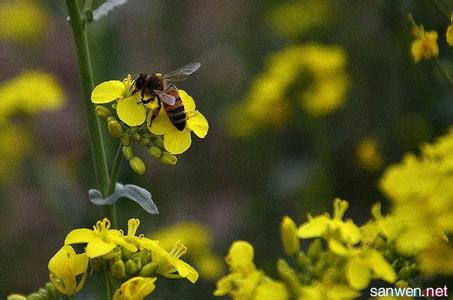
(288, 233)
(129, 108)
(100, 241)
(136, 288)
(22, 20)
(425, 45)
(169, 264)
(30, 92)
(177, 141)
(368, 155)
(331, 228)
(64, 266)
(449, 33)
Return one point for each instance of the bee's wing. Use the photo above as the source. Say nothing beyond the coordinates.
(183, 72)
(165, 98)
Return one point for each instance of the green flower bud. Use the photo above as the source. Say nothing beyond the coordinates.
(131, 267)
(126, 253)
(137, 165)
(110, 119)
(168, 159)
(43, 293)
(405, 273)
(148, 269)
(302, 260)
(159, 142)
(288, 232)
(102, 112)
(114, 254)
(136, 137)
(155, 152)
(114, 128)
(145, 141)
(289, 276)
(53, 292)
(138, 262)
(118, 269)
(314, 249)
(125, 139)
(128, 152)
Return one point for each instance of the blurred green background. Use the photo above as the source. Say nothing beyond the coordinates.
(240, 187)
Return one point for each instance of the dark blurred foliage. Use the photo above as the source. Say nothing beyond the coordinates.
(240, 188)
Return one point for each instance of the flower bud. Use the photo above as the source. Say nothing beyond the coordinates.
(111, 118)
(114, 128)
(288, 232)
(136, 137)
(168, 159)
(53, 292)
(131, 267)
(289, 276)
(127, 152)
(138, 262)
(159, 142)
(102, 112)
(148, 269)
(118, 269)
(145, 141)
(43, 293)
(126, 253)
(137, 165)
(16, 297)
(155, 152)
(125, 139)
(314, 249)
(302, 260)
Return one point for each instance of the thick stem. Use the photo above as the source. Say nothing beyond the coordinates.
(96, 142)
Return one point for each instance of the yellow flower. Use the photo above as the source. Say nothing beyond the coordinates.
(425, 46)
(64, 266)
(367, 154)
(328, 291)
(129, 108)
(101, 240)
(438, 259)
(449, 33)
(136, 288)
(331, 228)
(31, 92)
(22, 20)
(199, 240)
(177, 141)
(169, 264)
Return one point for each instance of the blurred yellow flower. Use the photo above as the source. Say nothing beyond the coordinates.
(449, 33)
(421, 191)
(177, 141)
(244, 280)
(136, 288)
(22, 20)
(199, 240)
(31, 92)
(437, 259)
(64, 266)
(100, 241)
(368, 155)
(129, 108)
(328, 291)
(14, 143)
(425, 45)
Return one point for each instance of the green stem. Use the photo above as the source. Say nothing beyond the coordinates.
(113, 179)
(96, 142)
(444, 72)
(440, 8)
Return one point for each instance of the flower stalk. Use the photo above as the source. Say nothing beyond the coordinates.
(78, 26)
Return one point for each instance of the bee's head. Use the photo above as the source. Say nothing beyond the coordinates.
(140, 81)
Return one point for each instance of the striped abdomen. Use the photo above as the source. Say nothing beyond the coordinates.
(176, 112)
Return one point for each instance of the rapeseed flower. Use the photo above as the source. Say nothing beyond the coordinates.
(100, 241)
(177, 141)
(64, 267)
(128, 106)
(136, 288)
(425, 44)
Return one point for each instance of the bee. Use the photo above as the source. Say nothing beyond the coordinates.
(160, 87)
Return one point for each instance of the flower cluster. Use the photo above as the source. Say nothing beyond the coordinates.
(316, 72)
(199, 240)
(136, 123)
(341, 261)
(132, 262)
(26, 95)
(421, 191)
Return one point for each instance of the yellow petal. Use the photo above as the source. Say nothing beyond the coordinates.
(358, 274)
(199, 125)
(80, 263)
(184, 269)
(107, 91)
(176, 141)
(314, 227)
(80, 235)
(131, 112)
(161, 123)
(97, 247)
(187, 100)
(381, 267)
